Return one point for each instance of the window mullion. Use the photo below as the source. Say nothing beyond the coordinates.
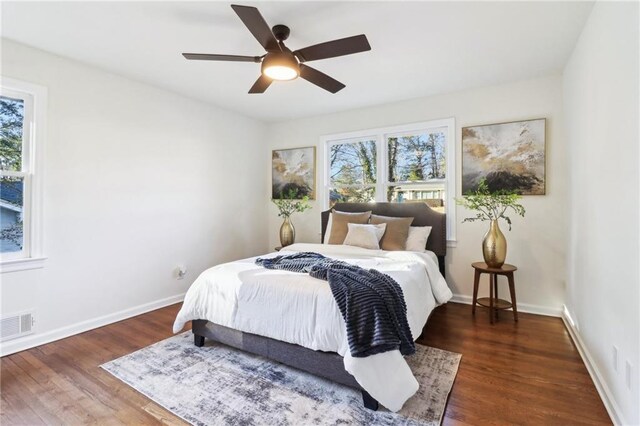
(354, 185)
(26, 215)
(11, 173)
(27, 135)
(382, 173)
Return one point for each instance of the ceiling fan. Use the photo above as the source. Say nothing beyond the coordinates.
(280, 63)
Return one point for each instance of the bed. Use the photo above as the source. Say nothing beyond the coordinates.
(289, 317)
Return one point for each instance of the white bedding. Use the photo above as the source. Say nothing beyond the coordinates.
(299, 309)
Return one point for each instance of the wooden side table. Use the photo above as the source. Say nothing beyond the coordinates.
(492, 302)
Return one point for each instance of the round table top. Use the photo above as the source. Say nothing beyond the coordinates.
(483, 267)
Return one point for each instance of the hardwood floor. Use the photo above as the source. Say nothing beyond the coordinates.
(513, 373)
(62, 383)
(525, 373)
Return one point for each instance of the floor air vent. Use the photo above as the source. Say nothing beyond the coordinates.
(16, 326)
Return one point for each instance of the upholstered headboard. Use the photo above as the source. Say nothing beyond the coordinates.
(422, 214)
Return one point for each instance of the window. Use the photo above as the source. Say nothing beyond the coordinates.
(353, 171)
(21, 106)
(417, 167)
(401, 164)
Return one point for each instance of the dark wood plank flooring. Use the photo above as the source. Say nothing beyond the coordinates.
(525, 373)
(513, 373)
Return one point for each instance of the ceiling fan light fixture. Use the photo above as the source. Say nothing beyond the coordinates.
(280, 63)
(278, 72)
(280, 66)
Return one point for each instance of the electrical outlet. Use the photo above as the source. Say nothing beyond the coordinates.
(628, 375)
(181, 271)
(614, 357)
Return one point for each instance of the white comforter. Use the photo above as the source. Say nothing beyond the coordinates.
(299, 309)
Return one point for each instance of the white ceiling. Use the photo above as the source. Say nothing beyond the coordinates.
(418, 48)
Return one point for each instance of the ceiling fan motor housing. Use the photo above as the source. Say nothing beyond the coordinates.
(281, 32)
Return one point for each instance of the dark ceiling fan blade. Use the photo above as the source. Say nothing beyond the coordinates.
(213, 57)
(261, 84)
(320, 79)
(331, 49)
(254, 21)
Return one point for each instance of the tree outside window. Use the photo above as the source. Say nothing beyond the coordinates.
(353, 171)
(11, 183)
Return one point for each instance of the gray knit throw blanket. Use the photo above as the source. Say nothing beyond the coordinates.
(371, 303)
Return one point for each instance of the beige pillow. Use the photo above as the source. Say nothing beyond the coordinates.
(327, 231)
(339, 221)
(365, 236)
(417, 239)
(395, 237)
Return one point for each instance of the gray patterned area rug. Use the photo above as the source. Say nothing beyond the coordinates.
(218, 385)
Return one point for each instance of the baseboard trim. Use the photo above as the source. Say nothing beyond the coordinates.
(601, 386)
(522, 307)
(31, 341)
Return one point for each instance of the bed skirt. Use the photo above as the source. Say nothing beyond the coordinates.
(328, 365)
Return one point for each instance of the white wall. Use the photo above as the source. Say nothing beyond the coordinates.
(601, 113)
(537, 242)
(137, 180)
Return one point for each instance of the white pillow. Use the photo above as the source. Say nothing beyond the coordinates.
(365, 236)
(417, 239)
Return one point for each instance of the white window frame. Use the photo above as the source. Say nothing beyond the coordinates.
(447, 125)
(34, 127)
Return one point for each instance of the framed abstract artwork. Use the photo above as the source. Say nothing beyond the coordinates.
(293, 173)
(509, 156)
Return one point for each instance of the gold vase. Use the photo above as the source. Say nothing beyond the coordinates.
(494, 246)
(287, 233)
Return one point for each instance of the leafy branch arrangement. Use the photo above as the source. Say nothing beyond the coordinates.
(491, 205)
(288, 205)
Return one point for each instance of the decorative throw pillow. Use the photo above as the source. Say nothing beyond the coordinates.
(395, 237)
(417, 239)
(327, 231)
(365, 236)
(339, 221)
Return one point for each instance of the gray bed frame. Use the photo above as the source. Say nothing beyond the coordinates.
(328, 365)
